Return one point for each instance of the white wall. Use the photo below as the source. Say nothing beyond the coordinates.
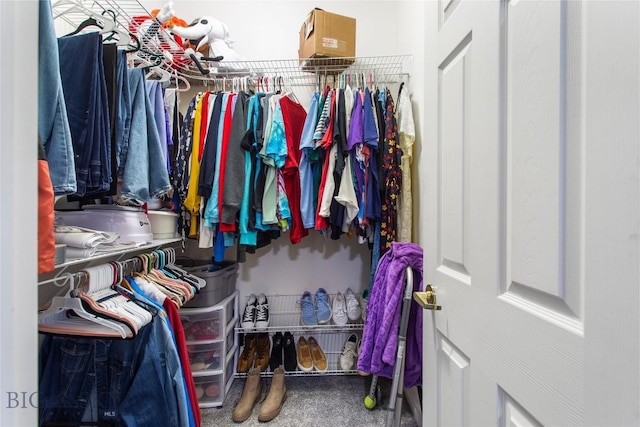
(18, 215)
(268, 30)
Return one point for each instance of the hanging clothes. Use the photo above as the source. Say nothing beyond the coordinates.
(294, 117)
(53, 120)
(85, 93)
(407, 137)
(46, 216)
(307, 207)
(392, 177)
(145, 175)
(235, 165)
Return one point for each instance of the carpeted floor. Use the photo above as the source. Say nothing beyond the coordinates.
(314, 401)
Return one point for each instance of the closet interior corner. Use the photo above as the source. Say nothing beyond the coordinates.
(183, 192)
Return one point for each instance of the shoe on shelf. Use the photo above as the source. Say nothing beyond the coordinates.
(250, 396)
(323, 307)
(276, 351)
(262, 313)
(349, 356)
(353, 306)
(318, 356)
(364, 299)
(308, 316)
(262, 351)
(340, 310)
(245, 360)
(249, 315)
(289, 347)
(276, 397)
(305, 361)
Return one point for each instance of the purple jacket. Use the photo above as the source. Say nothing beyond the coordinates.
(380, 335)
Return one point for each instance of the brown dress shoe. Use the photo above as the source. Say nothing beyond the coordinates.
(263, 347)
(245, 360)
(275, 398)
(250, 396)
(318, 356)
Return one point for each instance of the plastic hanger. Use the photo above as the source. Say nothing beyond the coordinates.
(67, 314)
(179, 78)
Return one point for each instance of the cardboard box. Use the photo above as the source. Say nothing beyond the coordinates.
(327, 35)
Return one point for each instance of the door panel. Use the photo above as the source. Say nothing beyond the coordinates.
(454, 380)
(505, 200)
(454, 184)
(536, 142)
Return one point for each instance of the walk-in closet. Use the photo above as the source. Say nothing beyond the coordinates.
(220, 216)
(331, 213)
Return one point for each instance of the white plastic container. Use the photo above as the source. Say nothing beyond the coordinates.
(132, 224)
(163, 224)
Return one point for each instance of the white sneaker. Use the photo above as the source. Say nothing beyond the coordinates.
(349, 355)
(249, 316)
(262, 313)
(340, 310)
(353, 306)
(363, 306)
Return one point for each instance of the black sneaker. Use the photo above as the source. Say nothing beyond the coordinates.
(249, 315)
(276, 351)
(262, 313)
(290, 358)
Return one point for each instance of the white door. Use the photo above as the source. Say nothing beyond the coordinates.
(531, 215)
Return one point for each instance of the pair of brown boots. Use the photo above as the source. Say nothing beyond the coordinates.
(251, 395)
(255, 352)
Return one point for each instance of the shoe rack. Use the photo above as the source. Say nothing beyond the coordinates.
(284, 315)
(212, 346)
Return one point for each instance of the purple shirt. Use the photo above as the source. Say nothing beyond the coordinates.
(356, 126)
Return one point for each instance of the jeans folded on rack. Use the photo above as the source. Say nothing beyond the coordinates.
(123, 122)
(145, 173)
(127, 377)
(85, 93)
(156, 101)
(53, 122)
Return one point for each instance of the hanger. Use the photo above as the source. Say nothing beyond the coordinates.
(94, 19)
(68, 315)
(162, 74)
(101, 295)
(180, 78)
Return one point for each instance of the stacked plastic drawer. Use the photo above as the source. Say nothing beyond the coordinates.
(212, 347)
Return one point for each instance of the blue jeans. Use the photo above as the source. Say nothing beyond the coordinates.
(53, 123)
(85, 93)
(145, 172)
(127, 377)
(123, 123)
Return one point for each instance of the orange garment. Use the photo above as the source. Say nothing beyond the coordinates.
(46, 217)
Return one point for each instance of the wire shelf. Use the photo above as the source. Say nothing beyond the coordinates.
(284, 315)
(298, 72)
(302, 373)
(133, 21)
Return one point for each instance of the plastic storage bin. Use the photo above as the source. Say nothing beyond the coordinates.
(132, 224)
(206, 356)
(163, 224)
(220, 284)
(209, 389)
(203, 326)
